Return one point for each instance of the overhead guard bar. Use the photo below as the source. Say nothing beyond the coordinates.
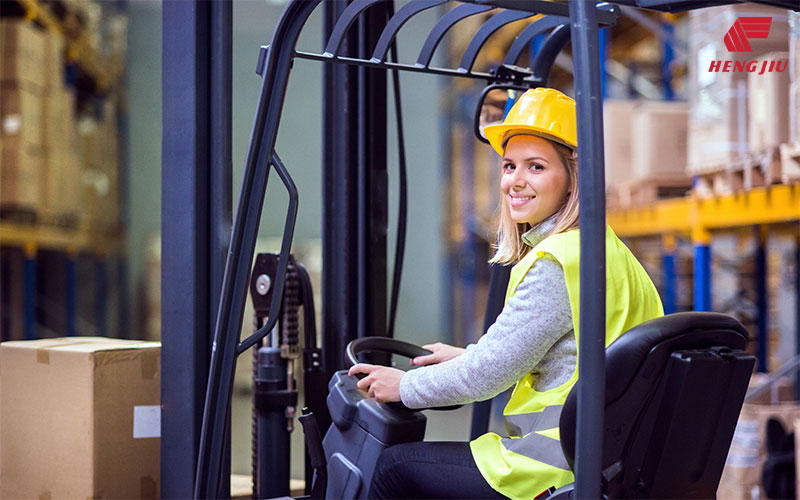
(484, 32)
(447, 21)
(544, 60)
(529, 33)
(347, 19)
(397, 21)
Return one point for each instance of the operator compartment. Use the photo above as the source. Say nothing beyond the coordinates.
(361, 429)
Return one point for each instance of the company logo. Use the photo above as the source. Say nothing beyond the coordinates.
(737, 39)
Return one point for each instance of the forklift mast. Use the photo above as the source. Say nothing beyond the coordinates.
(358, 37)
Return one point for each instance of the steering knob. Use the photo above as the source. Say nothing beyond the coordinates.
(382, 344)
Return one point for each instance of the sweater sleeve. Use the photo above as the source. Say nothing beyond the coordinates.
(532, 321)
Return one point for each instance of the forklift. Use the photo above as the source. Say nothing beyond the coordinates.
(358, 52)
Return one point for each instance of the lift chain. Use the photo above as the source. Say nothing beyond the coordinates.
(290, 320)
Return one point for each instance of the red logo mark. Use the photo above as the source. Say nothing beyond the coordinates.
(745, 28)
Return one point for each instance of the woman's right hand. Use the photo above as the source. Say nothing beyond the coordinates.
(441, 353)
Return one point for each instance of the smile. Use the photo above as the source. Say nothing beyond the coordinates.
(517, 201)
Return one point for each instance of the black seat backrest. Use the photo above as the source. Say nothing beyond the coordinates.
(674, 389)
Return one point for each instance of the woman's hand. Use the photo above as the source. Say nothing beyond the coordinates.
(441, 353)
(381, 382)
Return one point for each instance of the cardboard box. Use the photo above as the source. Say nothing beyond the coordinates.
(768, 106)
(718, 100)
(100, 190)
(23, 48)
(61, 125)
(741, 478)
(80, 418)
(61, 179)
(782, 391)
(644, 141)
(22, 155)
(794, 113)
(794, 46)
(54, 66)
(617, 119)
(20, 176)
(21, 114)
(658, 141)
(796, 462)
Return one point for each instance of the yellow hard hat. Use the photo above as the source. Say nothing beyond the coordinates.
(543, 112)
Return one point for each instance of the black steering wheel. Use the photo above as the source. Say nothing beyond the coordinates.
(389, 346)
(382, 344)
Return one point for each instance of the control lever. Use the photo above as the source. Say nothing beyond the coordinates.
(316, 453)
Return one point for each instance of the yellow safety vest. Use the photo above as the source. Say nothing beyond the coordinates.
(530, 461)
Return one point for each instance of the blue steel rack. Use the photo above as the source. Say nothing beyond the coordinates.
(767, 209)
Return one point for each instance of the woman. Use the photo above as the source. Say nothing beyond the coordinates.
(534, 341)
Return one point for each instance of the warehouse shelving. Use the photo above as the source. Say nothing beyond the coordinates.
(64, 269)
(74, 245)
(696, 216)
(59, 238)
(103, 71)
(767, 209)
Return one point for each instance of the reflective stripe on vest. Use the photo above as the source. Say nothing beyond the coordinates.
(526, 441)
(519, 425)
(531, 460)
(541, 448)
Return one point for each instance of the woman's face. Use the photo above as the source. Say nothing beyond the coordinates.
(534, 181)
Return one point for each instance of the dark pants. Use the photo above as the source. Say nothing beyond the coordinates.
(429, 470)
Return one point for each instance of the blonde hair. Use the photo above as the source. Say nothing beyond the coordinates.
(510, 248)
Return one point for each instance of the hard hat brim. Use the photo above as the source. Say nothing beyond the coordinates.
(499, 133)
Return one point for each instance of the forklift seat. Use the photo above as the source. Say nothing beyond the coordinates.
(674, 389)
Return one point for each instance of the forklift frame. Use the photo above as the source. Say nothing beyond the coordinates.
(582, 18)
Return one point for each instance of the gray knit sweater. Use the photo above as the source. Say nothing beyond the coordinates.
(532, 334)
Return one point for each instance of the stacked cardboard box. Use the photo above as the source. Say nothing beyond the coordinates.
(718, 99)
(80, 418)
(22, 84)
(782, 295)
(741, 478)
(99, 156)
(768, 105)
(790, 152)
(61, 180)
(796, 462)
(61, 183)
(617, 119)
(659, 141)
(645, 150)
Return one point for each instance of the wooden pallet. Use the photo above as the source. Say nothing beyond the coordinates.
(644, 192)
(62, 220)
(755, 170)
(790, 163)
(18, 213)
(764, 168)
